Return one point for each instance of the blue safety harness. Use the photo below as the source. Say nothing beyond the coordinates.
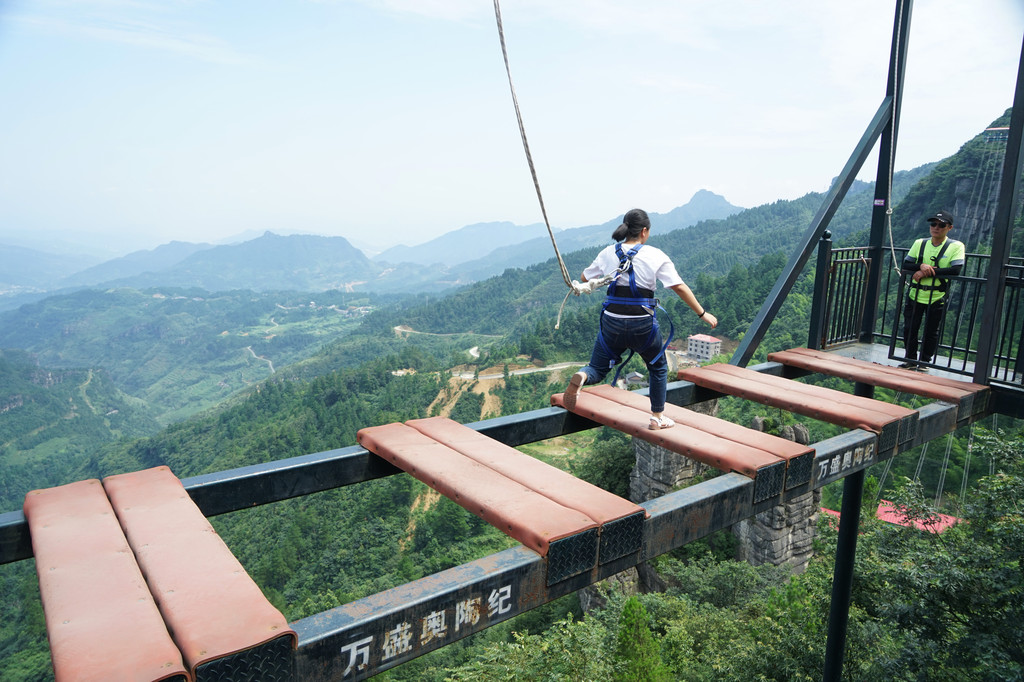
(638, 301)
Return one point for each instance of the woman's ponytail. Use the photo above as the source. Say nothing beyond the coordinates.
(633, 223)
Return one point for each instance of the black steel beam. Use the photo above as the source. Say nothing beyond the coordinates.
(258, 484)
(1002, 235)
(15, 541)
(1008, 400)
(882, 208)
(817, 327)
(773, 303)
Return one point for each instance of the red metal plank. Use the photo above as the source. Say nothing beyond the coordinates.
(101, 619)
(553, 483)
(847, 400)
(817, 402)
(924, 377)
(519, 512)
(211, 605)
(780, 447)
(905, 380)
(704, 447)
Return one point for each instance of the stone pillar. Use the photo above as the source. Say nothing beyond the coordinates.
(785, 533)
(782, 535)
(658, 471)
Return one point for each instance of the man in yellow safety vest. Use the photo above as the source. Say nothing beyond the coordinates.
(930, 262)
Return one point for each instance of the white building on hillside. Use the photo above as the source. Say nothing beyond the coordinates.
(703, 347)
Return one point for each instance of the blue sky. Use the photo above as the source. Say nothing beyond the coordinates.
(125, 124)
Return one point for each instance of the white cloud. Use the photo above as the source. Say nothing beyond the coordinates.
(137, 24)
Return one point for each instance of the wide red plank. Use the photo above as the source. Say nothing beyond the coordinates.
(554, 484)
(212, 606)
(688, 441)
(780, 447)
(101, 619)
(519, 512)
(820, 403)
(895, 378)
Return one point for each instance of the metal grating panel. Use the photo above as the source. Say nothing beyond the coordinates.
(908, 428)
(270, 662)
(967, 404)
(621, 537)
(572, 555)
(887, 438)
(799, 471)
(981, 401)
(769, 481)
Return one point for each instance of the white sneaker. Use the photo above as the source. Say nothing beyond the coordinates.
(662, 422)
(573, 389)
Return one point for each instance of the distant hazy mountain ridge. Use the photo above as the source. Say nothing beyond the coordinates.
(158, 259)
(26, 269)
(315, 263)
(704, 205)
(465, 244)
(271, 262)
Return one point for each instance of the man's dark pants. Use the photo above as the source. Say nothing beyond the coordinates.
(931, 313)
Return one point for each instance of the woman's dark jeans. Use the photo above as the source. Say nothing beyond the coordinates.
(639, 334)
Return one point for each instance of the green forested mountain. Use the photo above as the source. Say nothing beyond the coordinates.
(52, 420)
(180, 351)
(966, 184)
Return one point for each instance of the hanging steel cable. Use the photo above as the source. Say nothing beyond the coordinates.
(967, 464)
(888, 462)
(526, 146)
(942, 471)
(885, 474)
(989, 174)
(920, 461)
(892, 142)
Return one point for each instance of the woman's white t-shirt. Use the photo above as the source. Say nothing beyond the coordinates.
(650, 265)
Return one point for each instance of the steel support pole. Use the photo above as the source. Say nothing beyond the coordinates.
(842, 574)
(1009, 197)
(882, 210)
(842, 577)
(819, 315)
(885, 124)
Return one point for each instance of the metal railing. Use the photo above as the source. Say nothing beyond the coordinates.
(844, 303)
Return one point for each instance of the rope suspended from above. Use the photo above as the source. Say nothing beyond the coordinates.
(526, 148)
(892, 144)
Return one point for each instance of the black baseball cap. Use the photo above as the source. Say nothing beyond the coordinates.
(942, 217)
